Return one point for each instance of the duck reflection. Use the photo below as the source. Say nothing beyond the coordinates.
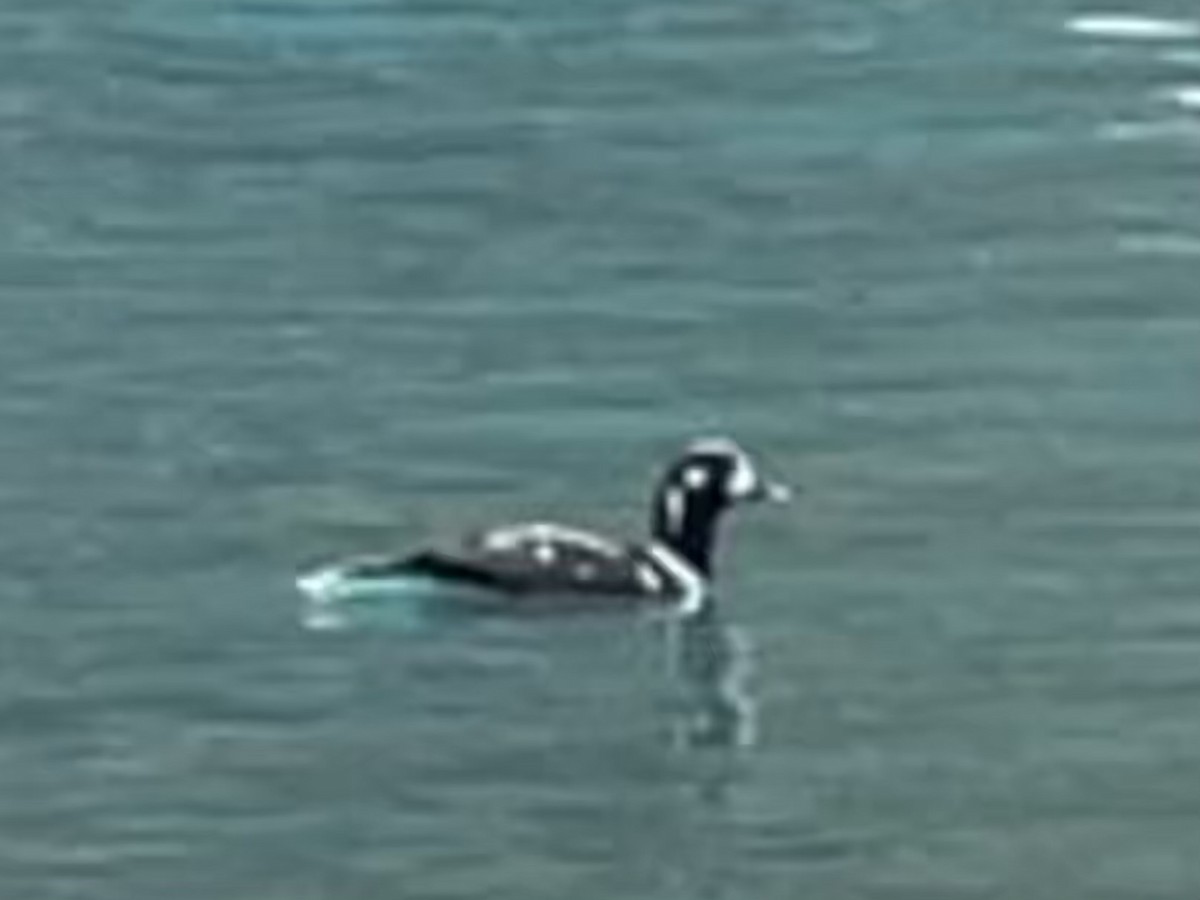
(711, 662)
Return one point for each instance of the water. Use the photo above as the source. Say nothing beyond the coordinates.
(283, 281)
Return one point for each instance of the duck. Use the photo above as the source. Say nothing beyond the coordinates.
(547, 567)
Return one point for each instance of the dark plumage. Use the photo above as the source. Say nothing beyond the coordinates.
(545, 565)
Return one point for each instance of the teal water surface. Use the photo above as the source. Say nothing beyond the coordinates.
(285, 281)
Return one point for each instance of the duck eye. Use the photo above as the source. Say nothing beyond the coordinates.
(695, 478)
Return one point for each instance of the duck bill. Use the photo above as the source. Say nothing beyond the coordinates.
(771, 492)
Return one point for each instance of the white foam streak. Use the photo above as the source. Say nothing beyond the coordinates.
(321, 589)
(1176, 129)
(322, 585)
(1162, 245)
(1133, 27)
(1187, 96)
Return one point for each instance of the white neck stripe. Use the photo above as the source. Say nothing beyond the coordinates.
(691, 582)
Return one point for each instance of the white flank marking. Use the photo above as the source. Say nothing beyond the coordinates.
(649, 578)
(513, 536)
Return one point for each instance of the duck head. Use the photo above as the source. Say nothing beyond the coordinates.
(711, 476)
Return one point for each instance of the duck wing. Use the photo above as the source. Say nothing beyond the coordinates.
(547, 558)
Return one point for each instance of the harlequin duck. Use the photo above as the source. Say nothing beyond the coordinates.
(546, 567)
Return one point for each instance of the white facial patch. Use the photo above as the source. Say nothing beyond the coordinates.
(695, 477)
(742, 480)
(673, 501)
